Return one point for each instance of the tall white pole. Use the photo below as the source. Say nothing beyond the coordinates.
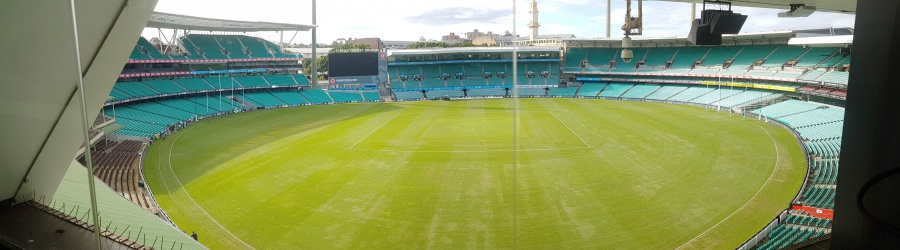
(608, 18)
(693, 12)
(95, 215)
(707, 97)
(730, 93)
(515, 59)
(313, 73)
(719, 102)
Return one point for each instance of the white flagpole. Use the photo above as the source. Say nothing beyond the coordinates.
(719, 85)
(707, 97)
(730, 93)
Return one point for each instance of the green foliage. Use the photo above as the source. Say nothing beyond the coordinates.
(589, 174)
(350, 48)
(467, 43)
(423, 45)
(321, 64)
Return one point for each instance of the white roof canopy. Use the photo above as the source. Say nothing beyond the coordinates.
(182, 22)
(469, 50)
(838, 6)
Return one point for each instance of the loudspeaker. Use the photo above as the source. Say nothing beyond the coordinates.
(726, 22)
(701, 35)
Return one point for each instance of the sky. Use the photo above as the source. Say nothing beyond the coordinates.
(407, 20)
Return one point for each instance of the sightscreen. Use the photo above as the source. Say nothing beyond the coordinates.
(353, 64)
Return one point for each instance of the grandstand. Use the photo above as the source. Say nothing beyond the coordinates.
(209, 75)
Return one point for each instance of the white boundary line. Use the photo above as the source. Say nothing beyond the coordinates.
(466, 151)
(777, 159)
(163, 179)
(570, 130)
(373, 131)
(191, 198)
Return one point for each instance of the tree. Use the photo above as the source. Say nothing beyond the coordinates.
(465, 43)
(321, 64)
(350, 48)
(424, 45)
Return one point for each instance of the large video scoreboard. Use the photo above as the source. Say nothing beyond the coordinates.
(357, 69)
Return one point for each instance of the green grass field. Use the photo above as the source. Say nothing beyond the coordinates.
(542, 173)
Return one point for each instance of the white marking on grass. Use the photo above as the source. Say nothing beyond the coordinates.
(189, 194)
(777, 159)
(570, 130)
(163, 179)
(373, 131)
(466, 151)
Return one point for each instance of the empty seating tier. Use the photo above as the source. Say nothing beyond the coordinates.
(316, 96)
(616, 89)
(340, 97)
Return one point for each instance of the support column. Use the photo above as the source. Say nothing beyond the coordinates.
(693, 13)
(314, 76)
(871, 140)
(608, 18)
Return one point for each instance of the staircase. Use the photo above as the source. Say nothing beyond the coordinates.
(626, 91)
(770, 54)
(679, 92)
(651, 93)
(242, 102)
(833, 54)
(757, 105)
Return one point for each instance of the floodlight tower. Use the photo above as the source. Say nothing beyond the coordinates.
(632, 26)
(534, 25)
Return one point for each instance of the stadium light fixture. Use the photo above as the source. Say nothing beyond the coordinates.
(627, 54)
(632, 26)
(798, 10)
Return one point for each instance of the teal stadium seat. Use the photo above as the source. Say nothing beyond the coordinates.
(252, 81)
(837, 77)
(165, 86)
(262, 99)
(641, 91)
(783, 54)
(207, 44)
(718, 54)
(371, 96)
(616, 89)
(408, 95)
(135, 89)
(233, 45)
(445, 93)
(290, 97)
(591, 89)
(750, 54)
(280, 80)
(687, 55)
(340, 97)
(666, 91)
(527, 92)
(690, 94)
(316, 96)
(563, 92)
(194, 84)
(814, 56)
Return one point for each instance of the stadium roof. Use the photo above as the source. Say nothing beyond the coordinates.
(783, 35)
(840, 6)
(182, 22)
(470, 50)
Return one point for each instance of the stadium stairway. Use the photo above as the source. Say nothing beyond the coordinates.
(242, 102)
